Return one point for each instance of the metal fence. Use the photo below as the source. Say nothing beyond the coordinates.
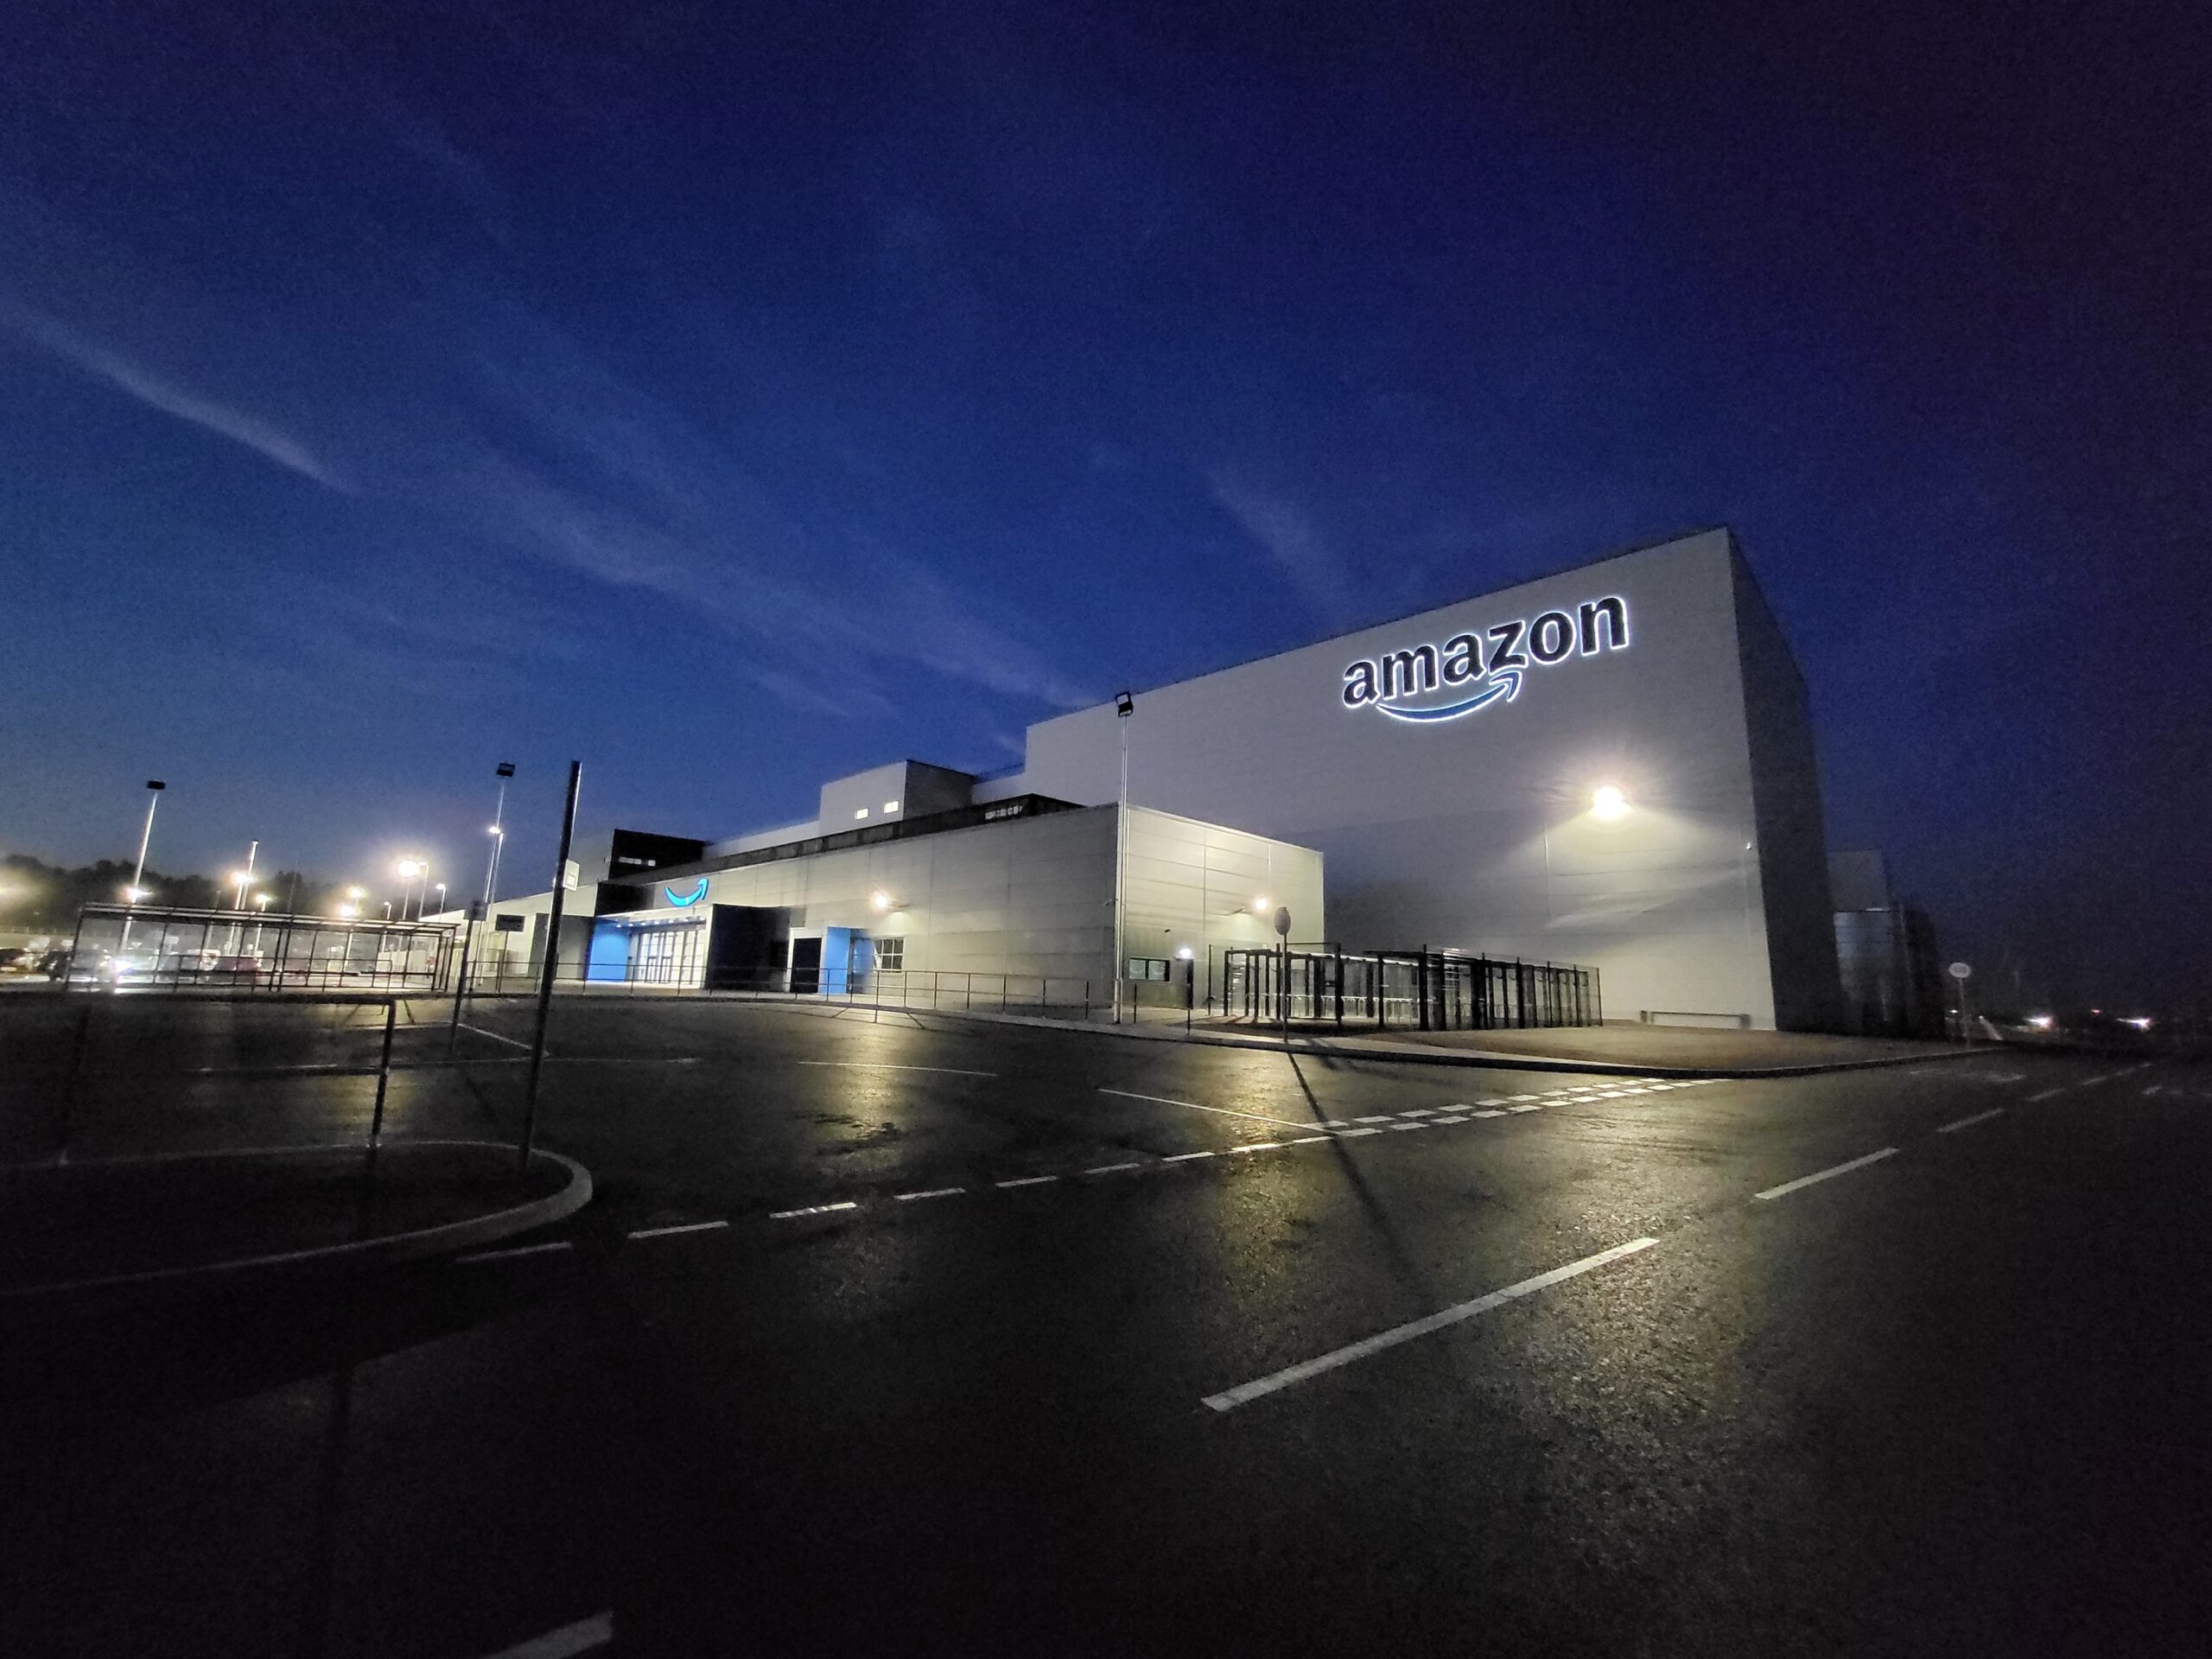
(1420, 990)
(122, 947)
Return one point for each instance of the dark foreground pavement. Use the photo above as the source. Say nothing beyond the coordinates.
(1947, 1397)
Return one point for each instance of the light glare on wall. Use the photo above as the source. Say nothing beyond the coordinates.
(1260, 905)
(881, 900)
(890, 806)
(1608, 801)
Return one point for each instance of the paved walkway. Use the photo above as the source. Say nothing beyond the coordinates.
(82, 1228)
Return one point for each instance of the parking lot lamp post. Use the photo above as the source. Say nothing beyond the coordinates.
(154, 788)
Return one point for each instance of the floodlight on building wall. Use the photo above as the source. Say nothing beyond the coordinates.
(1609, 801)
(1186, 953)
(884, 902)
(1262, 904)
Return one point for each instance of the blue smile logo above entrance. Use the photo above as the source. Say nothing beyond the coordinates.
(691, 898)
(1474, 669)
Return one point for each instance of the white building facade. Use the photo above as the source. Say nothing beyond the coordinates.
(1449, 768)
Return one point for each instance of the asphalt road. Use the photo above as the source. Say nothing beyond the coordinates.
(889, 1337)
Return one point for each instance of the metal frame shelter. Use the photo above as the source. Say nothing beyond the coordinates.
(1423, 990)
(129, 947)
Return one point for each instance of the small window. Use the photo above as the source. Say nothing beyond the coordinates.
(890, 955)
(1147, 967)
(860, 812)
(890, 806)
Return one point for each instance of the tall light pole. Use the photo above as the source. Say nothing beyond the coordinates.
(244, 878)
(480, 914)
(154, 788)
(1124, 706)
(498, 834)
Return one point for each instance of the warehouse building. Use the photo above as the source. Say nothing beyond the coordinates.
(1612, 766)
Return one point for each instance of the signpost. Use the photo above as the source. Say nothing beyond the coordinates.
(1282, 959)
(1963, 972)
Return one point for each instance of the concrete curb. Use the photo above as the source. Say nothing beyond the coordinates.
(1355, 1050)
(79, 1295)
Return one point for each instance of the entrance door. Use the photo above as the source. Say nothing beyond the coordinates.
(806, 966)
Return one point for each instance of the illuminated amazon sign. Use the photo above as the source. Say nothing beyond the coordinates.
(1473, 670)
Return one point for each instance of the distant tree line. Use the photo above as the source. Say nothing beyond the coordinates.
(36, 895)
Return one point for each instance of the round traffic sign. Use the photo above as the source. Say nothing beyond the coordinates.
(1282, 922)
(1960, 970)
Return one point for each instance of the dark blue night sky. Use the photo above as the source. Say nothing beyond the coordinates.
(733, 397)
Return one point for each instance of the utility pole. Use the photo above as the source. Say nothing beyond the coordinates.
(1124, 706)
(551, 963)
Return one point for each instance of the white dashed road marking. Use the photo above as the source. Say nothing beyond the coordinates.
(813, 1210)
(520, 1249)
(1246, 1392)
(1826, 1174)
(933, 1192)
(884, 1065)
(1110, 1169)
(579, 1637)
(1968, 1122)
(2047, 1094)
(1224, 1111)
(687, 1227)
(1185, 1157)
(1029, 1180)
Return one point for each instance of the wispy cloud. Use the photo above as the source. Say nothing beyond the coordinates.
(1290, 539)
(651, 504)
(263, 437)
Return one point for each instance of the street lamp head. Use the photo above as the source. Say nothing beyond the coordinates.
(506, 768)
(156, 784)
(261, 901)
(133, 895)
(347, 912)
(240, 878)
(1124, 705)
(493, 830)
(1608, 801)
(1262, 904)
(356, 894)
(408, 868)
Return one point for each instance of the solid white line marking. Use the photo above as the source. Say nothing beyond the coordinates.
(1260, 1146)
(1307, 1141)
(1029, 1180)
(1826, 1174)
(520, 1249)
(687, 1227)
(1109, 1169)
(497, 1037)
(2047, 1094)
(1245, 1392)
(1225, 1111)
(885, 1065)
(813, 1210)
(1968, 1122)
(933, 1192)
(579, 1637)
(1185, 1157)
